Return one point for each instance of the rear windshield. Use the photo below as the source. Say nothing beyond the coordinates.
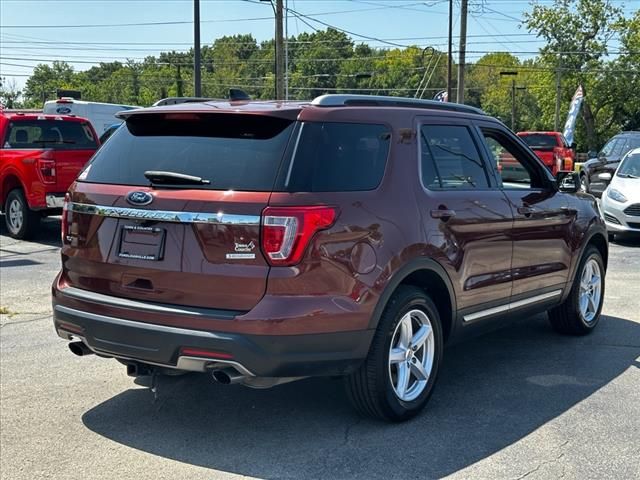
(55, 134)
(233, 152)
(245, 152)
(539, 142)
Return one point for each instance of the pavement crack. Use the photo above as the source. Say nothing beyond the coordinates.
(347, 431)
(17, 322)
(546, 462)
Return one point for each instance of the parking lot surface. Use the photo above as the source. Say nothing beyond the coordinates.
(519, 402)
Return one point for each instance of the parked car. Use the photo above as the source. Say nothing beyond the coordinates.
(40, 156)
(108, 132)
(552, 148)
(101, 115)
(353, 235)
(621, 199)
(607, 161)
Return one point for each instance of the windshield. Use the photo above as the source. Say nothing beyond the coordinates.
(55, 134)
(539, 141)
(231, 151)
(630, 167)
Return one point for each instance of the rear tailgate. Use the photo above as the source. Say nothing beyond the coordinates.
(196, 248)
(195, 245)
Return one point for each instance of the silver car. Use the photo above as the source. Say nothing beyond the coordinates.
(621, 199)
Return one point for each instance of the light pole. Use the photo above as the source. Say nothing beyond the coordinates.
(450, 55)
(513, 74)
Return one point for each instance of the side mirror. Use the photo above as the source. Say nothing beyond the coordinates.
(606, 176)
(567, 181)
(592, 154)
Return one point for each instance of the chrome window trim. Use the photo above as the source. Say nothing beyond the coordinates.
(218, 218)
(511, 306)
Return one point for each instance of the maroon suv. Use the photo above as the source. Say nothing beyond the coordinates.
(263, 242)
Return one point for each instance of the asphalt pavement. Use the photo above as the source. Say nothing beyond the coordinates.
(521, 402)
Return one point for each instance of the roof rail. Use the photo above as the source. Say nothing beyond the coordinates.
(340, 100)
(179, 100)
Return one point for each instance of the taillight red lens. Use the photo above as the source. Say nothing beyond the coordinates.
(66, 220)
(287, 231)
(47, 170)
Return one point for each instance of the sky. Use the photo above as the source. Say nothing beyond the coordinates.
(86, 32)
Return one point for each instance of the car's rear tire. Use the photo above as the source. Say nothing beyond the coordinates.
(397, 378)
(579, 314)
(20, 220)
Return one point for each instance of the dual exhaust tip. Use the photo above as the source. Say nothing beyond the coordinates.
(224, 376)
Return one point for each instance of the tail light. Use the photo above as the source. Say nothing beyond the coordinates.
(287, 231)
(66, 220)
(47, 169)
(568, 163)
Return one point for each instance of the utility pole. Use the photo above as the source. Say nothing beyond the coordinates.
(197, 82)
(449, 56)
(279, 51)
(463, 48)
(556, 123)
(286, 49)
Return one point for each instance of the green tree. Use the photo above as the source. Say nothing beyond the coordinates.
(577, 34)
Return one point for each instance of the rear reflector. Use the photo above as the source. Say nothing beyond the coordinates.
(287, 231)
(199, 352)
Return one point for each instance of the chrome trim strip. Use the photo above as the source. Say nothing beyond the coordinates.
(146, 306)
(511, 306)
(141, 325)
(218, 218)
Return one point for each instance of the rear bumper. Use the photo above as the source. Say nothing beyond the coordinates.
(256, 355)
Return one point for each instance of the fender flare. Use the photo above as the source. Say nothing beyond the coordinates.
(407, 269)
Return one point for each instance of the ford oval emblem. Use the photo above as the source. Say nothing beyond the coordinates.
(139, 198)
(63, 110)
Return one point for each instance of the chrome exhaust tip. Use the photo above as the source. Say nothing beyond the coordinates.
(80, 349)
(227, 376)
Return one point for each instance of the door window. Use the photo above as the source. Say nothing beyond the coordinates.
(608, 148)
(450, 159)
(515, 169)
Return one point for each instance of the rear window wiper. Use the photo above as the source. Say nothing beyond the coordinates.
(627, 175)
(174, 178)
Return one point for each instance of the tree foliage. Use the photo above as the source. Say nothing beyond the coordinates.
(577, 36)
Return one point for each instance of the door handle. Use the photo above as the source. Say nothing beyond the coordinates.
(443, 214)
(526, 211)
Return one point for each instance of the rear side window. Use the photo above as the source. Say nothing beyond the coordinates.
(232, 151)
(450, 158)
(338, 157)
(56, 134)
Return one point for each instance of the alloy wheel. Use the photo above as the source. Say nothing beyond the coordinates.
(15, 215)
(411, 355)
(590, 290)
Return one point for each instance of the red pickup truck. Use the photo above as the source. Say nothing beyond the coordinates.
(40, 156)
(552, 148)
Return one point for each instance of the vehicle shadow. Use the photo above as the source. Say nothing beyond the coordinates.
(493, 391)
(48, 232)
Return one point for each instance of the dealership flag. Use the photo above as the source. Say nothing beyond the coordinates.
(570, 125)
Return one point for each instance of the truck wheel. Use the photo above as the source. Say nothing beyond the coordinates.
(21, 221)
(580, 312)
(396, 380)
(584, 184)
